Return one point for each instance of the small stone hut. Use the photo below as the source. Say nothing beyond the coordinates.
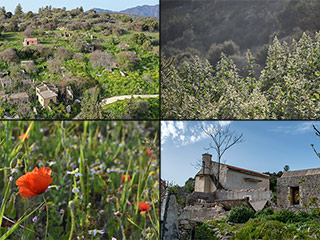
(30, 42)
(46, 93)
(298, 188)
(19, 97)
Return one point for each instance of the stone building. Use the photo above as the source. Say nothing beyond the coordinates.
(19, 97)
(298, 188)
(26, 63)
(30, 42)
(231, 178)
(234, 184)
(5, 82)
(46, 93)
(89, 47)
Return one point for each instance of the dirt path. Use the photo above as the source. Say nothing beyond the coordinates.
(110, 100)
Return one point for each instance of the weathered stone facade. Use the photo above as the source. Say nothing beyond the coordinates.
(234, 183)
(297, 188)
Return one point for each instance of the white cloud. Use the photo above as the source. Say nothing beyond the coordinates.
(300, 127)
(224, 123)
(180, 125)
(184, 133)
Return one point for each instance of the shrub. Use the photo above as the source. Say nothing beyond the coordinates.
(54, 65)
(127, 60)
(261, 229)
(265, 212)
(202, 231)
(9, 55)
(28, 31)
(139, 38)
(285, 216)
(228, 48)
(63, 53)
(240, 214)
(102, 59)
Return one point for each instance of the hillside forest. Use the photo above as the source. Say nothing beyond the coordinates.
(226, 59)
(64, 64)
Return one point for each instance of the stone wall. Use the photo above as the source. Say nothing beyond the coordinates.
(308, 187)
(253, 194)
(196, 196)
(169, 218)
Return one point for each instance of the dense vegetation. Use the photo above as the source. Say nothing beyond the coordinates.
(101, 171)
(266, 224)
(113, 54)
(209, 73)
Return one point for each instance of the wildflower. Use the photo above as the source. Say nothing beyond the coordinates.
(61, 211)
(118, 214)
(75, 172)
(113, 238)
(149, 152)
(144, 207)
(95, 231)
(75, 190)
(126, 178)
(24, 137)
(35, 219)
(152, 173)
(10, 178)
(34, 183)
(52, 163)
(54, 186)
(19, 162)
(14, 170)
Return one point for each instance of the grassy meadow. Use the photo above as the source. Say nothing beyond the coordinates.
(105, 180)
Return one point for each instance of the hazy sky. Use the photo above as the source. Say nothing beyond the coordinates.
(268, 146)
(114, 5)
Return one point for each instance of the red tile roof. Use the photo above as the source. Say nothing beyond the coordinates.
(30, 39)
(247, 171)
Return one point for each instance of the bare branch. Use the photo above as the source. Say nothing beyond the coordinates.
(222, 140)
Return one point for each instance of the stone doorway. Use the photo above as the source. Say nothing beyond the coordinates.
(294, 195)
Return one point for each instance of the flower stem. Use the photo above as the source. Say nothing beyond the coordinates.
(45, 236)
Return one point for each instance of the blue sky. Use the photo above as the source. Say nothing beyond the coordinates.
(268, 146)
(34, 5)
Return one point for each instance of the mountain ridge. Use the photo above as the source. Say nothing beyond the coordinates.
(144, 10)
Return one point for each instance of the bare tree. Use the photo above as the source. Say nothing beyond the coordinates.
(222, 138)
(317, 132)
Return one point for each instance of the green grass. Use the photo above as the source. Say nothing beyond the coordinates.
(102, 152)
(264, 226)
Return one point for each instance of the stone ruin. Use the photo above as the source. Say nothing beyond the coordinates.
(212, 199)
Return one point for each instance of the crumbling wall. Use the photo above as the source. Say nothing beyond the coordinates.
(169, 218)
(203, 212)
(196, 196)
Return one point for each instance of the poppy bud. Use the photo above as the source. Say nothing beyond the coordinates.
(13, 163)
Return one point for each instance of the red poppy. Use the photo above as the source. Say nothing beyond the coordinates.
(149, 152)
(144, 207)
(126, 178)
(34, 183)
(23, 136)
